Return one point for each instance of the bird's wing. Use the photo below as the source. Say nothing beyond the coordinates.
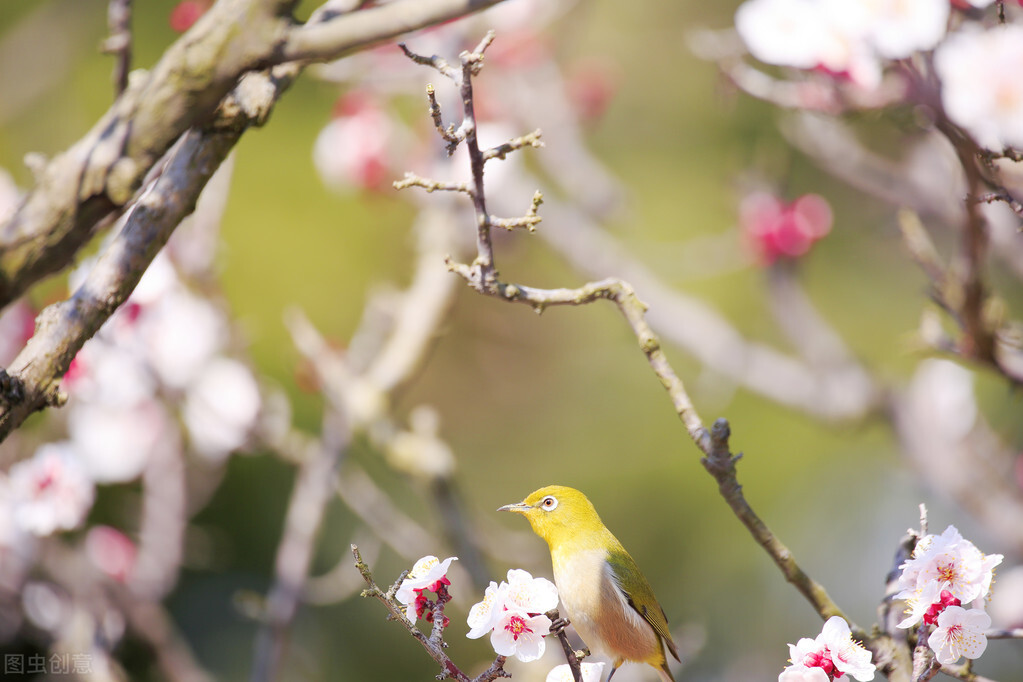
(640, 596)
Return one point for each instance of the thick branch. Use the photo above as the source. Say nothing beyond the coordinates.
(99, 174)
(63, 328)
(352, 32)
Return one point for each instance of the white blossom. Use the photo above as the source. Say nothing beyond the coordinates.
(427, 574)
(563, 673)
(221, 408)
(802, 673)
(520, 635)
(50, 491)
(980, 85)
(960, 632)
(948, 558)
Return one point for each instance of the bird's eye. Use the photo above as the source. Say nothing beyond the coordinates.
(549, 503)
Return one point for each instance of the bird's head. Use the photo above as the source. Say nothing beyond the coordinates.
(557, 513)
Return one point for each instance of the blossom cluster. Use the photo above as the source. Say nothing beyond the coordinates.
(429, 574)
(513, 612)
(832, 655)
(159, 379)
(854, 39)
(945, 572)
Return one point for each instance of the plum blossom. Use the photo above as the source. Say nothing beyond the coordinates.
(520, 635)
(840, 37)
(951, 561)
(17, 324)
(960, 632)
(111, 551)
(833, 653)
(221, 408)
(483, 615)
(980, 89)
(945, 572)
(355, 148)
(925, 603)
(429, 574)
(776, 229)
(514, 613)
(563, 673)
(50, 492)
(801, 673)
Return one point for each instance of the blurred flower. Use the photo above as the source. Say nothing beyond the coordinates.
(949, 560)
(979, 86)
(17, 324)
(592, 84)
(111, 551)
(419, 451)
(9, 196)
(959, 633)
(186, 13)
(898, 28)
(355, 149)
(180, 333)
(563, 673)
(840, 37)
(1007, 610)
(221, 408)
(775, 229)
(833, 652)
(428, 574)
(50, 492)
(114, 444)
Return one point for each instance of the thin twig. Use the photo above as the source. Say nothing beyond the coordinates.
(482, 277)
(119, 42)
(434, 648)
(720, 463)
(309, 498)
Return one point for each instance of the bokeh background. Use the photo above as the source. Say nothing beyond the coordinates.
(527, 400)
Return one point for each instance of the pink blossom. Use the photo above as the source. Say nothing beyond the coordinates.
(111, 551)
(776, 229)
(50, 491)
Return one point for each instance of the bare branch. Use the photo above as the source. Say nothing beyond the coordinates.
(433, 648)
(502, 150)
(349, 33)
(413, 180)
(63, 328)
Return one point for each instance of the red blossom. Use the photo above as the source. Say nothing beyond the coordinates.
(186, 13)
(935, 609)
(776, 229)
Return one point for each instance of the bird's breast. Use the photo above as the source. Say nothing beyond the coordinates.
(599, 611)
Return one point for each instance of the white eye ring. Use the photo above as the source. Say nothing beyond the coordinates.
(549, 503)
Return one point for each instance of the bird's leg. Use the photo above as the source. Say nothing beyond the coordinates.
(612, 673)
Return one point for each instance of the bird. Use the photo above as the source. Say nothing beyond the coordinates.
(606, 598)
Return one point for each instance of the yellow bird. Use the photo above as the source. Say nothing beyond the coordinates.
(605, 596)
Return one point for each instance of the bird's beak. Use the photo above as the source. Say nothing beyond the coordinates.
(517, 507)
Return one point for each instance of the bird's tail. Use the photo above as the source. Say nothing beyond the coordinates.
(665, 674)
